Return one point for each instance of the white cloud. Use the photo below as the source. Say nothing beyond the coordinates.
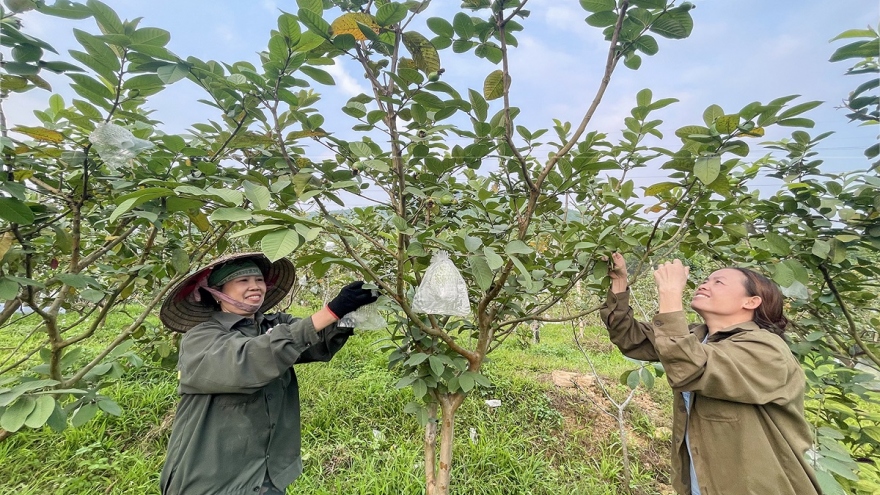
(344, 81)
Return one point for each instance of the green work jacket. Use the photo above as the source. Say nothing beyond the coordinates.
(238, 418)
(747, 429)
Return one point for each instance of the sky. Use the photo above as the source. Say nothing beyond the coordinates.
(740, 51)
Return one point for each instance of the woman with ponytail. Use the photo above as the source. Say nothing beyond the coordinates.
(738, 408)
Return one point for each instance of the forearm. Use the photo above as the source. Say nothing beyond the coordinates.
(323, 319)
(669, 301)
(618, 285)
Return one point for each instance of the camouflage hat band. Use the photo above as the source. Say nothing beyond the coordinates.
(233, 270)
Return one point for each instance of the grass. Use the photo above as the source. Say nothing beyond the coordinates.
(357, 440)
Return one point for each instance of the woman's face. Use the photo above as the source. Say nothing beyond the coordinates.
(249, 290)
(724, 294)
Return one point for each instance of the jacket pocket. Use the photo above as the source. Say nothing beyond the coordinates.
(715, 409)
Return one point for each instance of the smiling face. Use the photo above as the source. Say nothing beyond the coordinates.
(249, 289)
(724, 295)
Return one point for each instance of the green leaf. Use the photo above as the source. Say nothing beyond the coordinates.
(494, 85)
(674, 24)
(707, 168)
(318, 75)
(315, 22)
(16, 414)
(711, 113)
(316, 6)
(43, 408)
(492, 258)
(481, 272)
(602, 19)
(797, 122)
(8, 289)
(597, 5)
(150, 36)
(360, 149)
(821, 248)
(632, 379)
(106, 18)
(14, 211)
(436, 365)
(517, 247)
(172, 73)
(257, 194)
(420, 388)
(466, 382)
(727, 124)
(235, 214)
(479, 105)
(288, 26)
(463, 26)
(798, 109)
(441, 27)
(277, 245)
(84, 414)
(110, 407)
(390, 13)
(647, 378)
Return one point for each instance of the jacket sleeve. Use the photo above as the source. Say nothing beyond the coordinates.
(216, 361)
(333, 338)
(748, 367)
(634, 338)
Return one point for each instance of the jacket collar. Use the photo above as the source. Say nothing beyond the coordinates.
(746, 326)
(229, 320)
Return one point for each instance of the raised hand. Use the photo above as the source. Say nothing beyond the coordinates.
(671, 279)
(350, 298)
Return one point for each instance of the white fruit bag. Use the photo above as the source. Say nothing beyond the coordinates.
(116, 145)
(366, 317)
(442, 291)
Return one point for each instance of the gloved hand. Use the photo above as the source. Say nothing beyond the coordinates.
(350, 298)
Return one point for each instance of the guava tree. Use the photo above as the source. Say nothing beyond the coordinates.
(86, 226)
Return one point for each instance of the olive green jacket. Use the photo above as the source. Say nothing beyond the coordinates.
(747, 429)
(238, 417)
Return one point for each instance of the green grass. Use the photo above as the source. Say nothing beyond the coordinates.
(357, 440)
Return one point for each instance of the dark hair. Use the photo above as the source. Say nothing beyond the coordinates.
(769, 314)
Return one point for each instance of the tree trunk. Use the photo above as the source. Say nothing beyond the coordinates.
(437, 476)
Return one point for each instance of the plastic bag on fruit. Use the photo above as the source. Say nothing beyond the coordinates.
(442, 291)
(116, 145)
(366, 317)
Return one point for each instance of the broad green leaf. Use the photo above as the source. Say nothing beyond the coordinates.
(647, 378)
(172, 73)
(857, 49)
(494, 85)
(674, 24)
(783, 275)
(797, 122)
(419, 389)
(597, 5)
(235, 214)
(798, 109)
(314, 22)
(632, 379)
(84, 414)
(643, 97)
(150, 36)
(288, 26)
(463, 26)
(657, 189)
(360, 149)
(277, 245)
(821, 248)
(16, 414)
(690, 130)
(8, 288)
(14, 211)
(707, 168)
(110, 407)
(43, 408)
(479, 105)
(106, 18)
(436, 366)
(441, 27)
(492, 258)
(466, 382)
(711, 113)
(316, 6)
(602, 19)
(481, 272)
(391, 13)
(517, 247)
(257, 194)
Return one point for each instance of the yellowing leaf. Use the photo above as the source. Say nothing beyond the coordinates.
(348, 24)
(423, 52)
(493, 86)
(756, 132)
(40, 133)
(5, 243)
(304, 134)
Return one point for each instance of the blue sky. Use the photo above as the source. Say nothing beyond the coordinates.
(740, 51)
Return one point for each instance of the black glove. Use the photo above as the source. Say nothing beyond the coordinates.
(350, 298)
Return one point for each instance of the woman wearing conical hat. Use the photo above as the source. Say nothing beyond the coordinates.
(237, 426)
